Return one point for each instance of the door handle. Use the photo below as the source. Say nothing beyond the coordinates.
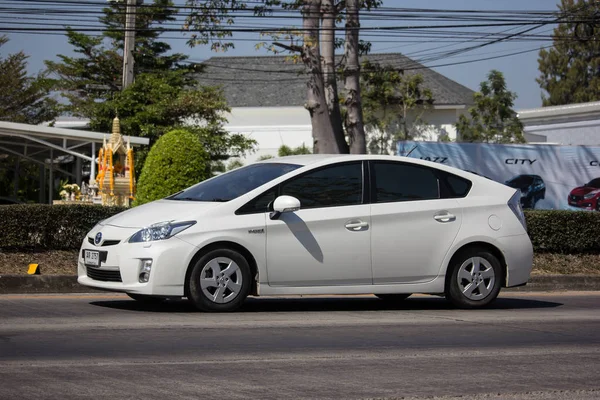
(445, 217)
(356, 225)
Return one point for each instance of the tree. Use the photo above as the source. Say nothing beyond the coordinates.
(570, 70)
(24, 99)
(394, 104)
(288, 151)
(176, 161)
(95, 76)
(164, 95)
(492, 118)
(314, 45)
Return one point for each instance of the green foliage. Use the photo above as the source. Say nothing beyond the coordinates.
(288, 151)
(176, 161)
(568, 232)
(393, 106)
(570, 70)
(492, 118)
(24, 99)
(44, 227)
(234, 164)
(164, 95)
(265, 157)
(96, 74)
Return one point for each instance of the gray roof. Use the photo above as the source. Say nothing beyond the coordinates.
(276, 81)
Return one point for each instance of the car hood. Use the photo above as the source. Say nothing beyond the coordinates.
(583, 190)
(159, 211)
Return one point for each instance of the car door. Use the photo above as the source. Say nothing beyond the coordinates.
(327, 241)
(412, 225)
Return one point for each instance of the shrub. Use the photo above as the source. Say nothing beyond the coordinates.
(567, 232)
(26, 227)
(176, 161)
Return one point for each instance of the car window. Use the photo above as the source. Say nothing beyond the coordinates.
(454, 186)
(595, 183)
(259, 204)
(235, 183)
(339, 185)
(403, 182)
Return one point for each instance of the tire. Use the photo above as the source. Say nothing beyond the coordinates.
(394, 297)
(487, 279)
(146, 299)
(222, 290)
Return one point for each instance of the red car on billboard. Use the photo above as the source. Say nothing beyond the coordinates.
(586, 196)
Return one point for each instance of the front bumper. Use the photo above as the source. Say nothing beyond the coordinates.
(586, 204)
(518, 254)
(170, 259)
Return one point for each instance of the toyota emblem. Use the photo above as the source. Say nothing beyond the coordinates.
(98, 238)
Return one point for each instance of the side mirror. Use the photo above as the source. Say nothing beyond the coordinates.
(284, 204)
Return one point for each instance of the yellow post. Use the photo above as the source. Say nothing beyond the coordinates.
(131, 173)
(34, 269)
(111, 171)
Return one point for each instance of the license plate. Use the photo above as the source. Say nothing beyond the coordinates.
(91, 257)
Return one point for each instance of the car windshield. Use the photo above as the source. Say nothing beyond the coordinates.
(595, 183)
(235, 183)
(521, 180)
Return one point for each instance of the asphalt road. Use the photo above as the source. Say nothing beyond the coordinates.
(527, 346)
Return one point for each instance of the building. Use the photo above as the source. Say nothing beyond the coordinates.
(267, 95)
(573, 124)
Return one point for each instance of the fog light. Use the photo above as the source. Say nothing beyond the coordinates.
(145, 269)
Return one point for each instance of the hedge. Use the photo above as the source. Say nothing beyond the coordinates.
(27, 227)
(43, 227)
(565, 232)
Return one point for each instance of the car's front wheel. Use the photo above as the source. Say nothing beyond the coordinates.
(474, 279)
(220, 281)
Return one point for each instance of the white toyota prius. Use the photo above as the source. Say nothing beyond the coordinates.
(317, 224)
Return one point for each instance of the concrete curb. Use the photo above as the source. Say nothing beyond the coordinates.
(17, 284)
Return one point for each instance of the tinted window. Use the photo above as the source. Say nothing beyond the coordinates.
(259, 204)
(522, 180)
(595, 183)
(402, 182)
(454, 186)
(340, 185)
(235, 183)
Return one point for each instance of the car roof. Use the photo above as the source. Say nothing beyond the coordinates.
(308, 159)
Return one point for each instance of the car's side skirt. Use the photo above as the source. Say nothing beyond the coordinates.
(434, 286)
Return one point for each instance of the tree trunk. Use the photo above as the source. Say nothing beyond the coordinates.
(329, 13)
(354, 123)
(324, 140)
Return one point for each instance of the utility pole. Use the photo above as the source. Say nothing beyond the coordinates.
(129, 44)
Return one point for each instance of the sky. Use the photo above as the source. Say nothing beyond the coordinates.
(519, 70)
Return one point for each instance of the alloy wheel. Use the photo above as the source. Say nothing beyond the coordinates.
(476, 278)
(221, 280)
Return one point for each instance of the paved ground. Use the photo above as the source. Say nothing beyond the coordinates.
(537, 346)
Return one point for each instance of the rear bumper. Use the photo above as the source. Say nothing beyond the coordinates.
(518, 254)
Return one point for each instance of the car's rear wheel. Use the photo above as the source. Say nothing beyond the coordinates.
(474, 279)
(220, 281)
(146, 299)
(394, 297)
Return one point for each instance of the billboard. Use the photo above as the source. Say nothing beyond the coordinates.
(549, 176)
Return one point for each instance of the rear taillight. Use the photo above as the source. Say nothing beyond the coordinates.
(515, 205)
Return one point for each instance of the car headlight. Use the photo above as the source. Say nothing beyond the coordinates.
(160, 231)
(590, 195)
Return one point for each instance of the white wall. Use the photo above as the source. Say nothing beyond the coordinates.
(273, 127)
